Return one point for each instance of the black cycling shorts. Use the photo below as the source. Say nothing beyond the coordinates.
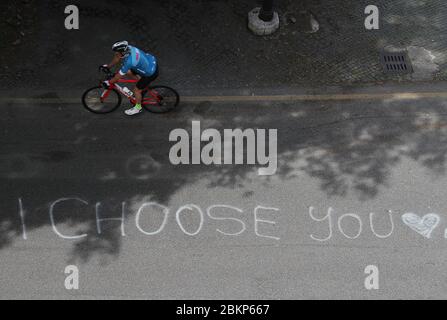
(145, 81)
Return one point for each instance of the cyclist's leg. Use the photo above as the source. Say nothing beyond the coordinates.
(141, 85)
(145, 82)
(131, 74)
(154, 76)
(138, 93)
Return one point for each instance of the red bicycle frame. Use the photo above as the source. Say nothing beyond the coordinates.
(152, 99)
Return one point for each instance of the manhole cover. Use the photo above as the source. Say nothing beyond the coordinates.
(396, 62)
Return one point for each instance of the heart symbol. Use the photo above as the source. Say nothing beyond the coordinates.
(424, 226)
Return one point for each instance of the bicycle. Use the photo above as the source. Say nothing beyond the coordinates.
(157, 99)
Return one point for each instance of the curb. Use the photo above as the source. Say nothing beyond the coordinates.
(340, 93)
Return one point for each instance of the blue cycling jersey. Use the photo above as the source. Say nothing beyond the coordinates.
(141, 63)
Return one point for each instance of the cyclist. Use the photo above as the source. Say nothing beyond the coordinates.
(135, 64)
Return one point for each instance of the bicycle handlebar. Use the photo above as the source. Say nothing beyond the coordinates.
(107, 72)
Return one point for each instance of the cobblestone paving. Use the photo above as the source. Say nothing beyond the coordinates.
(206, 44)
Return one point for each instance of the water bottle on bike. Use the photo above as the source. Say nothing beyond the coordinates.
(128, 91)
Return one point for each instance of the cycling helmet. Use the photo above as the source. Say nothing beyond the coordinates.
(121, 47)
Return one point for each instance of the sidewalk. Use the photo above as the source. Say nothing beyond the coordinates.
(206, 44)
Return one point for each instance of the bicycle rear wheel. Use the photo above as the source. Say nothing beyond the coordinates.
(93, 101)
(165, 99)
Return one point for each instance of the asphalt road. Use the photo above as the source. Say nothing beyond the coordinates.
(357, 157)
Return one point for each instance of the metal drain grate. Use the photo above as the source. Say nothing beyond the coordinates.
(396, 62)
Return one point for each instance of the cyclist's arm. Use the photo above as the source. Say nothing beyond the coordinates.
(122, 72)
(116, 59)
(116, 78)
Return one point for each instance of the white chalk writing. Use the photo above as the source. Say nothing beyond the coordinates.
(53, 223)
(354, 216)
(424, 226)
(258, 220)
(328, 217)
(151, 218)
(163, 224)
(371, 224)
(100, 220)
(243, 228)
(22, 219)
(189, 207)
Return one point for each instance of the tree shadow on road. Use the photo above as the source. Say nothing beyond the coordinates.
(349, 148)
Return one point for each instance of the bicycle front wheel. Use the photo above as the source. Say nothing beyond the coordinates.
(96, 100)
(160, 99)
